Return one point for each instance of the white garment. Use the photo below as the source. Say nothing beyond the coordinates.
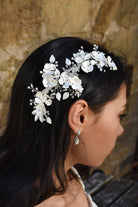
(90, 201)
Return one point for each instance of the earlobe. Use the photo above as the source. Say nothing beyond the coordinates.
(77, 115)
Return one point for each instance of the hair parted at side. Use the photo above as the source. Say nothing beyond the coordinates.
(29, 150)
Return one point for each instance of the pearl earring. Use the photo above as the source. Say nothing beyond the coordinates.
(76, 141)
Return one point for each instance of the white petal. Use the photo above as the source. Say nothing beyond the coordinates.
(41, 119)
(48, 120)
(39, 94)
(79, 59)
(36, 118)
(85, 63)
(48, 102)
(114, 67)
(52, 59)
(87, 56)
(61, 81)
(67, 61)
(58, 96)
(45, 82)
(87, 69)
(57, 73)
(94, 53)
(90, 68)
(34, 112)
(109, 59)
(37, 100)
(93, 62)
(65, 95)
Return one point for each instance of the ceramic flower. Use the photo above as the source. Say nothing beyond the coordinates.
(49, 82)
(64, 80)
(49, 68)
(75, 83)
(111, 64)
(39, 112)
(87, 66)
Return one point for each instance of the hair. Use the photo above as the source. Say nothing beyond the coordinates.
(29, 150)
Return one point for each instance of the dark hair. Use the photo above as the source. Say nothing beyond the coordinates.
(31, 150)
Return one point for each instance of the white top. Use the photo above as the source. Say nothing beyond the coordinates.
(90, 201)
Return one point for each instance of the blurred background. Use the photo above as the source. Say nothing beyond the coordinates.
(24, 25)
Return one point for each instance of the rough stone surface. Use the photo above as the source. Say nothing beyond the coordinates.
(67, 17)
(24, 25)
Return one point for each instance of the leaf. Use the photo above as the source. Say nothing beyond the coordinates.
(58, 96)
(52, 59)
(65, 95)
(67, 61)
(48, 120)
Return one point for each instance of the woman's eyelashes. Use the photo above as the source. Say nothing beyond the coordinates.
(122, 116)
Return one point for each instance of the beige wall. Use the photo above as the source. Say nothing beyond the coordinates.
(24, 25)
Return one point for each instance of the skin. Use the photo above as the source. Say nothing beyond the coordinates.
(98, 136)
(99, 132)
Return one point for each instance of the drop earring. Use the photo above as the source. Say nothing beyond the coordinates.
(76, 141)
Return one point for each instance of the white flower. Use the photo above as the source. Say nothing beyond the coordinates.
(78, 59)
(41, 96)
(52, 83)
(39, 112)
(98, 56)
(49, 68)
(87, 66)
(95, 55)
(49, 82)
(45, 97)
(75, 83)
(63, 77)
(111, 63)
(64, 80)
(38, 100)
(79, 56)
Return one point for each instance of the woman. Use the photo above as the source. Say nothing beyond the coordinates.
(66, 104)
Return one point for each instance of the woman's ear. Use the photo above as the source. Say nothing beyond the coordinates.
(78, 115)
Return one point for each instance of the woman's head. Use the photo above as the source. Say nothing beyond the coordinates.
(41, 147)
(98, 131)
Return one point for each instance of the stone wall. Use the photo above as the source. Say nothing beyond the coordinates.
(24, 25)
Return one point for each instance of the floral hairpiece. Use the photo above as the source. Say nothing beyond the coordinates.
(61, 85)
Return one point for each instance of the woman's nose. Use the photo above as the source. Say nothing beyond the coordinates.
(121, 130)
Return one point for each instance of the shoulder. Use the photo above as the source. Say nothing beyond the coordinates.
(53, 201)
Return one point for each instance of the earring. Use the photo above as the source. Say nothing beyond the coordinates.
(76, 141)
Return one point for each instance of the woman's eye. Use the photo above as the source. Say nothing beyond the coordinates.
(121, 116)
